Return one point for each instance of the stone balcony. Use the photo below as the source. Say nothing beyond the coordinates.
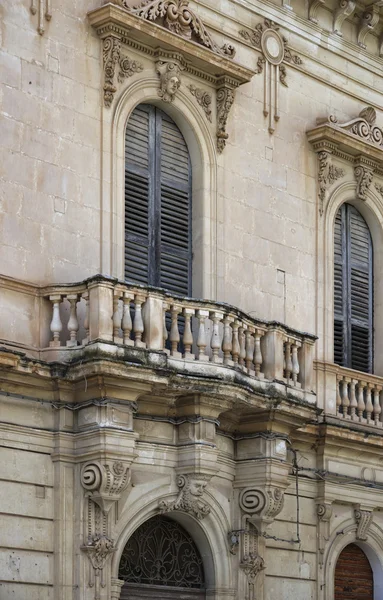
(143, 326)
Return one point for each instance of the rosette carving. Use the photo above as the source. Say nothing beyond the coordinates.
(105, 482)
(189, 499)
(112, 57)
(203, 98)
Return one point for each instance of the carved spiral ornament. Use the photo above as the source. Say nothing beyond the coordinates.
(91, 477)
(252, 500)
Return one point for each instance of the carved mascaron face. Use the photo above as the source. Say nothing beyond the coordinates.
(172, 85)
(197, 487)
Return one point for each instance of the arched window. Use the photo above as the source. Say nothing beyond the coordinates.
(157, 202)
(353, 575)
(353, 291)
(161, 553)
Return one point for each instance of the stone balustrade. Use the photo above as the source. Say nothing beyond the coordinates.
(185, 329)
(359, 397)
(57, 323)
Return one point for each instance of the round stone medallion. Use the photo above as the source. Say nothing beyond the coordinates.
(272, 46)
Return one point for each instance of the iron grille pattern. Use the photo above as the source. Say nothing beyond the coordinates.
(161, 552)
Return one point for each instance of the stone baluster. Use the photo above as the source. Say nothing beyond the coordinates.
(138, 324)
(174, 332)
(345, 398)
(56, 324)
(294, 362)
(215, 343)
(73, 320)
(116, 317)
(249, 346)
(227, 340)
(361, 402)
(85, 297)
(235, 342)
(201, 340)
(127, 319)
(257, 351)
(338, 396)
(352, 398)
(188, 335)
(242, 343)
(288, 361)
(165, 308)
(369, 405)
(377, 408)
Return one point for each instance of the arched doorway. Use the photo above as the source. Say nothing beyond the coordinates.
(353, 575)
(161, 560)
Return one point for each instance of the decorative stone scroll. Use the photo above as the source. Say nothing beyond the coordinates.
(176, 16)
(275, 51)
(363, 126)
(363, 175)
(203, 98)
(327, 175)
(264, 504)
(313, 9)
(324, 512)
(105, 482)
(225, 99)
(189, 499)
(41, 8)
(363, 519)
(113, 59)
(368, 22)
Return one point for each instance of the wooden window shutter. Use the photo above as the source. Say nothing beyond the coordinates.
(157, 202)
(353, 291)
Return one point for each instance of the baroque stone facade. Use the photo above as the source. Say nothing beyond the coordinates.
(224, 411)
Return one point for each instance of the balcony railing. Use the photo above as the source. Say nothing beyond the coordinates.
(359, 397)
(210, 335)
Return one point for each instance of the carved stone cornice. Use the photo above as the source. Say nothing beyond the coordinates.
(267, 38)
(189, 499)
(105, 481)
(125, 23)
(363, 519)
(359, 140)
(345, 9)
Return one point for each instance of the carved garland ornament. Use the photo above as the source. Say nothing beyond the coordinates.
(191, 489)
(275, 51)
(176, 16)
(43, 9)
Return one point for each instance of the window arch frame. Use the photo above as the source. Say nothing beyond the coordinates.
(201, 144)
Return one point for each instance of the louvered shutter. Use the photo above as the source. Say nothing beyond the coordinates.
(138, 192)
(340, 310)
(175, 243)
(353, 291)
(360, 292)
(157, 202)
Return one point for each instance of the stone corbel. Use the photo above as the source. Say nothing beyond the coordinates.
(364, 173)
(105, 482)
(189, 499)
(263, 504)
(363, 519)
(225, 98)
(368, 22)
(313, 9)
(327, 172)
(345, 9)
(324, 512)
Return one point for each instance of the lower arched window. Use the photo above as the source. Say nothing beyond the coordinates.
(353, 291)
(353, 575)
(161, 560)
